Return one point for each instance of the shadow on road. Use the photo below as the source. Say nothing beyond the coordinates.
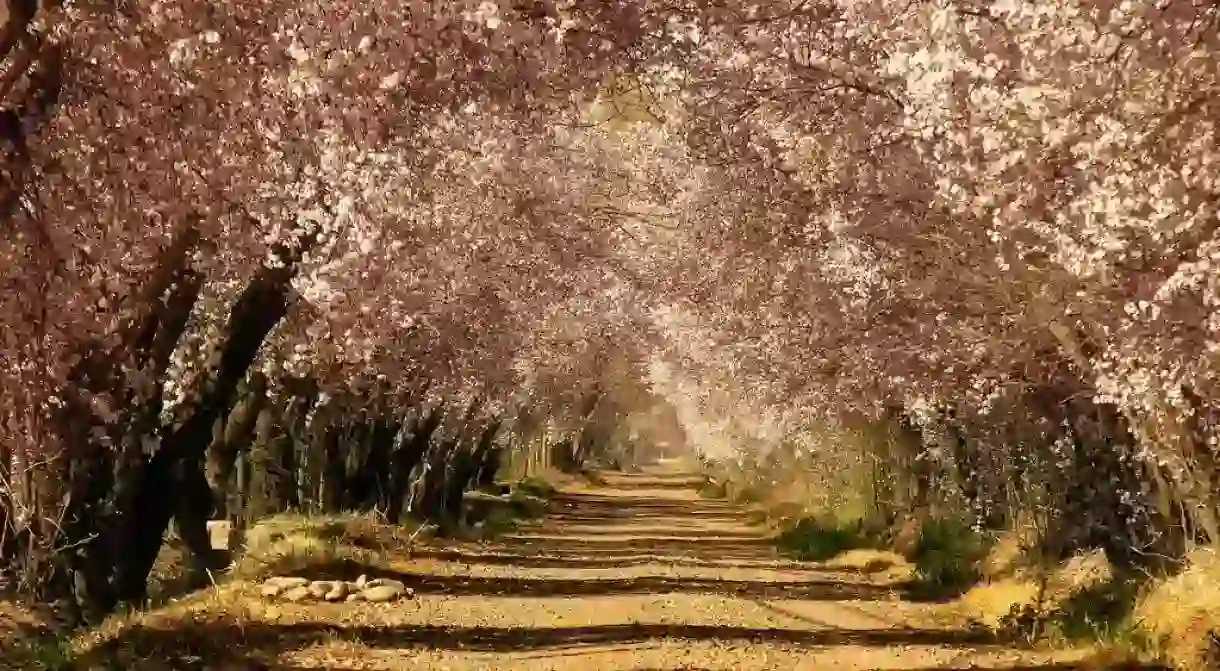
(563, 540)
(506, 557)
(427, 583)
(260, 644)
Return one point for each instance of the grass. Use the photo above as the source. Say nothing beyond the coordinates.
(1082, 601)
(279, 545)
(499, 513)
(327, 547)
(537, 486)
(287, 543)
(1180, 615)
(166, 635)
(947, 554)
(713, 489)
(28, 641)
(54, 654)
(1000, 581)
(818, 539)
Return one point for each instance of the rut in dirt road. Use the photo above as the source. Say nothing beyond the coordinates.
(642, 573)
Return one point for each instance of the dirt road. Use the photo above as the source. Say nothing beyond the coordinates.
(643, 573)
(638, 573)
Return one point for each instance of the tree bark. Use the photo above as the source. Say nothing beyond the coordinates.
(261, 306)
(236, 434)
(407, 457)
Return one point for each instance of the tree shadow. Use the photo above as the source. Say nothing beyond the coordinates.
(1088, 665)
(261, 643)
(505, 557)
(807, 590)
(622, 480)
(693, 517)
(427, 583)
(628, 548)
(597, 533)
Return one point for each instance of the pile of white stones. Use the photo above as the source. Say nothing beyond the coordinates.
(377, 590)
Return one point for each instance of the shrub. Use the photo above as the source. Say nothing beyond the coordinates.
(817, 539)
(947, 554)
(536, 486)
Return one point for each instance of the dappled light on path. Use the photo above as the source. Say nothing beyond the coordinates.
(636, 573)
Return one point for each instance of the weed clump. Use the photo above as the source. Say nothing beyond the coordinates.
(947, 553)
(819, 539)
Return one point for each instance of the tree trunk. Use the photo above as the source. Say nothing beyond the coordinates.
(261, 306)
(486, 459)
(407, 457)
(334, 470)
(236, 434)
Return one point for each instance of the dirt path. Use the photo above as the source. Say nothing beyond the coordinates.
(639, 573)
(642, 573)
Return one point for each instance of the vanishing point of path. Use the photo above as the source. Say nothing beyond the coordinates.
(643, 573)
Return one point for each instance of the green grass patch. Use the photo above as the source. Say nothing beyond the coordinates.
(948, 555)
(43, 654)
(713, 490)
(526, 505)
(1099, 613)
(536, 486)
(817, 539)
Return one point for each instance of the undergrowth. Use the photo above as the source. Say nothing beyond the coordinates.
(823, 538)
(947, 554)
(53, 654)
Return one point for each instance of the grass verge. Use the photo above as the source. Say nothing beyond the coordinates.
(1179, 616)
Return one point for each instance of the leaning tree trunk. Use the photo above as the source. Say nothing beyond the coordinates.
(236, 434)
(99, 479)
(373, 478)
(262, 305)
(334, 469)
(1104, 504)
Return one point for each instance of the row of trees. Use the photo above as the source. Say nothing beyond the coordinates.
(987, 226)
(345, 241)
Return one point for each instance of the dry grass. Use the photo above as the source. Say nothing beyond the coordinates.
(167, 636)
(1027, 592)
(1014, 552)
(287, 543)
(1181, 614)
(884, 567)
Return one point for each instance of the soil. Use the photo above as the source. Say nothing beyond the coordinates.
(638, 572)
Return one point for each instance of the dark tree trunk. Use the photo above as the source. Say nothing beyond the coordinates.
(916, 472)
(261, 306)
(101, 477)
(195, 506)
(334, 469)
(1104, 503)
(299, 451)
(236, 434)
(563, 455)
(438, 477)
(407, 457)
(486, 460)
(965, 461)
(431, 503)
(456, 482)
(378, 464)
